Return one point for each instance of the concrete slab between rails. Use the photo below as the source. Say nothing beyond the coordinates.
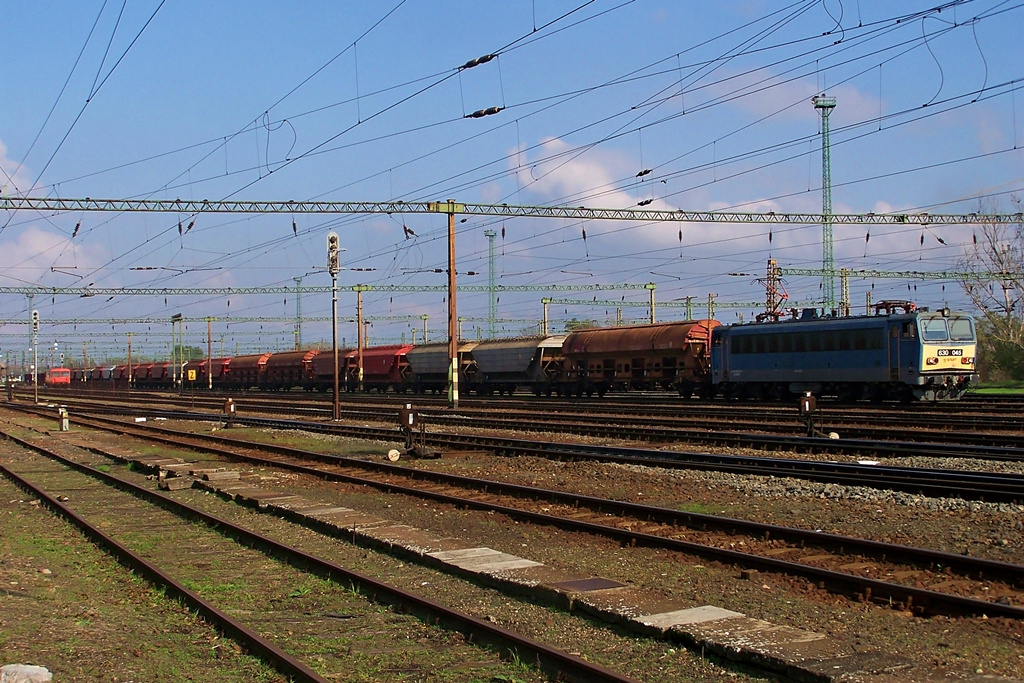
(484, 560)
(410, 538)
(683, 617)
(796, 653)
(245, 495)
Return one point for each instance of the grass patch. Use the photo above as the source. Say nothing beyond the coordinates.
(699, 508)
(999, 388)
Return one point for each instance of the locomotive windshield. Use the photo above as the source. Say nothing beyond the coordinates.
(947, 329)
(961, 329)
(934, 329)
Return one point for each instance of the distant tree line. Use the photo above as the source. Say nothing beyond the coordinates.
(993, 264)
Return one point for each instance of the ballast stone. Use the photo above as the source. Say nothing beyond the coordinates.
(25, 673)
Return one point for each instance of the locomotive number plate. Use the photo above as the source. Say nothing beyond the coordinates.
(949, 352)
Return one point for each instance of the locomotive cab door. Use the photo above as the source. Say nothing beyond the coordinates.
(904, 350)
(719, 358)
(894, 352)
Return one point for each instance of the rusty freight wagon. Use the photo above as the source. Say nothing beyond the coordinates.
(673, 355)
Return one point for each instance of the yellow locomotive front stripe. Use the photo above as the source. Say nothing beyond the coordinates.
(933, 361)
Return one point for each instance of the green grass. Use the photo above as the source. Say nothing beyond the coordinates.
(699, 508)
(998, 388)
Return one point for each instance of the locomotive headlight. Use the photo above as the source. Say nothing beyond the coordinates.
(967, 360)
(931, 361)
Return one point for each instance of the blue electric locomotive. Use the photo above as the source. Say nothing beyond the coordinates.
(915, 354)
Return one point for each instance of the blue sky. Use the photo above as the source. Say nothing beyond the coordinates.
(356, 101)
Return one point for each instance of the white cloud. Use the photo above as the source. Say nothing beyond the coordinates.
(12, 172)
(32, 251)
(762, 92)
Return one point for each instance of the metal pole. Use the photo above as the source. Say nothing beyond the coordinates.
(209, 353)
(825, 105)
(492, 307)
(35, 356)
(129, 361)
(334, 341)
(359, 337)
(298, 312)
(333, 266)
(651, 286)
(453, 342)
(545, 301)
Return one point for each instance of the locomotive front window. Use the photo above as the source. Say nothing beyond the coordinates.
(934, 329)
(960, 329)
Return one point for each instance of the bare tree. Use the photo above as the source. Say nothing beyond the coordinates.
(992, 276)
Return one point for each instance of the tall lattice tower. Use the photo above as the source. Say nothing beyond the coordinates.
(492, 289)
(825, 105)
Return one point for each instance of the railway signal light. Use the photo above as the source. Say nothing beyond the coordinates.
(35, 321)
(333, 253)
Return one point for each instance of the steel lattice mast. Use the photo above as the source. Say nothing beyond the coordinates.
(825, 105)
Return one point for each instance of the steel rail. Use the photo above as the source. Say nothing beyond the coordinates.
(252, 641)
(553, 659)
(997, 447)
(985, 486)
(928, 601)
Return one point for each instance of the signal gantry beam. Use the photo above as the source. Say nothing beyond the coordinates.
(196, 207)
(235, 291)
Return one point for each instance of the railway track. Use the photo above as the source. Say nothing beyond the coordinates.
(973, 416)
(927, 581)
(655, 423)
(147, 530)
(1006, 487)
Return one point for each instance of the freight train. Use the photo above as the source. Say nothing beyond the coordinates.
(915, 354)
